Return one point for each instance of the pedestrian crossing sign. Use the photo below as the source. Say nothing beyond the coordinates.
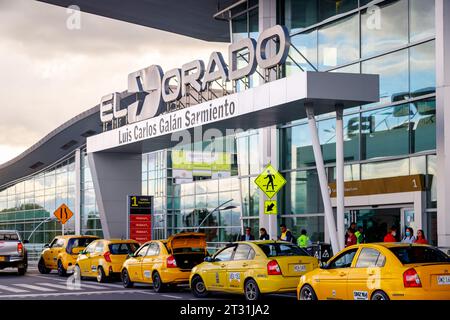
(270, 181)
(63, 213)
(270, 207)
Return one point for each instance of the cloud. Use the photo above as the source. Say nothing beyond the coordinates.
(50, 73)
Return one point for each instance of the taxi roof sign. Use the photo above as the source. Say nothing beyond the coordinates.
(270, 181)
(63, 213)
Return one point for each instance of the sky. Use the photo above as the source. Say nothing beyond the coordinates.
(50, 73)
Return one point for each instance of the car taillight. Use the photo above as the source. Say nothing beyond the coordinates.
(20, 248)
(411, 279)
(171, 262)
(107, 256)
(273, 268)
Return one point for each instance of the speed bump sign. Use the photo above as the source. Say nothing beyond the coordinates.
(63, 213)
(270, 207)
(270, 181)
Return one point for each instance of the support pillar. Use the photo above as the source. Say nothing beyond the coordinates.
(340, 191)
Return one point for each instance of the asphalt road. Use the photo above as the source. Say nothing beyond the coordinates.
(35, 286)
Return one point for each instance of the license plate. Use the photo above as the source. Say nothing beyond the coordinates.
(2, 258)
(443, 280)
(299, 268)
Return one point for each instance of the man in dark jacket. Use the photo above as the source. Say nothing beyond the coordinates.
(286, 234)
(248, 235)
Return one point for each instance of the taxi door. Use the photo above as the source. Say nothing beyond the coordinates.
(55, 249)
(333, 280)
(365, 276)
(47, 255)
(237, 267)
(85, 258)
(216, 271)
(135, 264)
(95, 258)
(148, 261)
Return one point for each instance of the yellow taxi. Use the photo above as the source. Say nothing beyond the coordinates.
(164, 263)
(252, 268)
(380, 271)
(103, 259)
(62, 253)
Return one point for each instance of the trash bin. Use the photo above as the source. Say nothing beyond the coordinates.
(321, 251)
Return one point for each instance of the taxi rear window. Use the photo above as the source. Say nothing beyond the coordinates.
(123, 248)
(79, 242)
(282, 250)
(413, 254)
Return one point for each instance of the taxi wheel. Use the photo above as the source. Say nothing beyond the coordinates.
(198, 287)
(307, 293)
(101, 276)
(61, 271)
(42, 268)
(126, 279)
(158, 286)
(380, 295)
(251, 290)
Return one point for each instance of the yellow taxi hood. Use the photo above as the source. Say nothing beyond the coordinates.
(186, 240)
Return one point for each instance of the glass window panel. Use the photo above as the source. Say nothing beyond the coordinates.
(423, 124)
(382, 125)
(385, 169)
(298, 150)
(306, 45)
(242, 147)
(239, 26)
(299, 14)
(338, 42)
(302, 193)
(422, 19)
(314, 227)
(254, 152)
(423, 69)
(432, 183)
(393, 71)
(331, 8)
(385, 28)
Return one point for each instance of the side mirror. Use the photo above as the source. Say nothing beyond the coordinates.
(324, 266)
(25, 241)
(47, 246)
(208, 259)
(130, 255)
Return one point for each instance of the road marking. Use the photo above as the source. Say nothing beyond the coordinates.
(146, 292)
(11, 289)
(31, 295)
(58, 286)
(32, 287)
(169, 296)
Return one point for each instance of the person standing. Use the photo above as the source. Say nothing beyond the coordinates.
(248, 235)
(263, 235)
(351, 238)
(353, 227)
(390, 237)
(421, 237)
(360, 235)
(409, 236)
(303, 241)
(286, 234)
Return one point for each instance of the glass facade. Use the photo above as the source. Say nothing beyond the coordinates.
(90, 219)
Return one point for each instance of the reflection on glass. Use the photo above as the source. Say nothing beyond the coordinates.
(306, 44)
(423, 69)
(338, 42)
(384, 132)
(393, 71)
(314, 226)
(299, 14)
(385, 28)
(423, 124)
(239, 26)
(302, 193)
(422, 19)
(431, 171)
(385, 169)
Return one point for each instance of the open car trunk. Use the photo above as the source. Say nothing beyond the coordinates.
(188, 249)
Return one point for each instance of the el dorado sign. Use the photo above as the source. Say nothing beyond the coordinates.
(381, 186)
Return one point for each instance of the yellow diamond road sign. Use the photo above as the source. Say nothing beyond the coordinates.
(270, 181)
(63, 213)
(270, 207)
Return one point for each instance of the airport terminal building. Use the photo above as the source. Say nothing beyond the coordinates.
(394, 145)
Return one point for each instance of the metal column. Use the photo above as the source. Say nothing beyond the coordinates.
(329, 218)
(340, 176)
(77, 211)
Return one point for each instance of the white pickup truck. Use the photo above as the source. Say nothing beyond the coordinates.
(12, 251)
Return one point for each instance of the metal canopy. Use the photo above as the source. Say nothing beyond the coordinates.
(192, 18)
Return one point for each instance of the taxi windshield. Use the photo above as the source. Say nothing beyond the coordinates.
(282, 250)
(413, 254)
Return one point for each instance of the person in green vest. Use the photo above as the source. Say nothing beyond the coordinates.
(359, 235)
(303, 241)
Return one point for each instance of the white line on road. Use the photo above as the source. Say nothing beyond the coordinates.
(169, 296)
(58, 286)
(31, 295)
(11, 289)
(32, 287)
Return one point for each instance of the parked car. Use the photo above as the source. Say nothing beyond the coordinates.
(252, 268)
(164, 263)
(62, 253)
(380, 271)
(12, 251)
(103, 259)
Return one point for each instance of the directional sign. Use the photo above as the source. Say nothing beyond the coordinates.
(63, 213)
(270, 181)
(140, 218)
(270, 207)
